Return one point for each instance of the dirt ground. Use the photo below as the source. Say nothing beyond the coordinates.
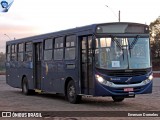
(11, 99)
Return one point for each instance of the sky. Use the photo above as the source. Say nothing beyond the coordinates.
(33, 17)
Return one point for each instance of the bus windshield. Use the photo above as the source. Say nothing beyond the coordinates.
(122, 53)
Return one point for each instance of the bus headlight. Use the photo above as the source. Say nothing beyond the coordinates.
(99, 78)
(150, 77)
(103, 81)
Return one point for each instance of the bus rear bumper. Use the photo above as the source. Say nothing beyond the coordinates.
(102, 90)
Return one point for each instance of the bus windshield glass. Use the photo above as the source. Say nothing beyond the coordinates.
(122, 53)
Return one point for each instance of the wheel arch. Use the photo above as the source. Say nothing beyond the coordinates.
(23, 76)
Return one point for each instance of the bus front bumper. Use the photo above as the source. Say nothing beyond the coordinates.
(126, 90)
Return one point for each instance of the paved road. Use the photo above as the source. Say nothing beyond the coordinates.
(11, 99)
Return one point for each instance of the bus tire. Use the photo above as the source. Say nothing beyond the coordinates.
(25, 88)
(71, 95)
(117, 98)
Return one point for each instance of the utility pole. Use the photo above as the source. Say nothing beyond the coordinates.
(119, 13)
(119, 16)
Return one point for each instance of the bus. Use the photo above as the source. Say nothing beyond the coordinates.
(108, 59)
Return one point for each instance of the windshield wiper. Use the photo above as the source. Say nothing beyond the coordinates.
(133, 44)
(118, 44)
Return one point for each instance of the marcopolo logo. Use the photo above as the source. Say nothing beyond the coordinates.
(5, 5)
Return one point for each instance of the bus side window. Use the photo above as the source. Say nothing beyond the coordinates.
(70, 47)
(86, 46)
(84, 42)
(8, 52)
(20, 52)
(28, 51)
(58, 48)
(48, 46)
(13, 52)
(90, 49)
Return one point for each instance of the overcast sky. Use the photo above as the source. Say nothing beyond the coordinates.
(32, 17)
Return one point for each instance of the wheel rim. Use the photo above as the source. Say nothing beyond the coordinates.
(71, 91)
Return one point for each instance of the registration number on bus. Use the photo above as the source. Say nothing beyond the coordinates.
(128, 89)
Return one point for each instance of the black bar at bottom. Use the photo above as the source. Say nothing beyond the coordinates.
(21, 114)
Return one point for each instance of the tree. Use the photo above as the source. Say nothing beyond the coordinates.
(2, 61)
(155, 42)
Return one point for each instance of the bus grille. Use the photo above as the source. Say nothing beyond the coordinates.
(124, 83)
(127, 74)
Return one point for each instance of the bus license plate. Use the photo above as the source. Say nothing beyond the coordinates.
(128, 89)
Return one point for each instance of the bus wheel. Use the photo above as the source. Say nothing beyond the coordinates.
(25, 89)
(71, 93)
(117, 98)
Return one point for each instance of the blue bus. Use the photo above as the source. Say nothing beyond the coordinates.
(110, 59)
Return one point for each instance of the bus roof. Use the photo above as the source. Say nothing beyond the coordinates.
(91, 27)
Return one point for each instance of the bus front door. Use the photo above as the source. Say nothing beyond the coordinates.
(37, 64)
(86, 66)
